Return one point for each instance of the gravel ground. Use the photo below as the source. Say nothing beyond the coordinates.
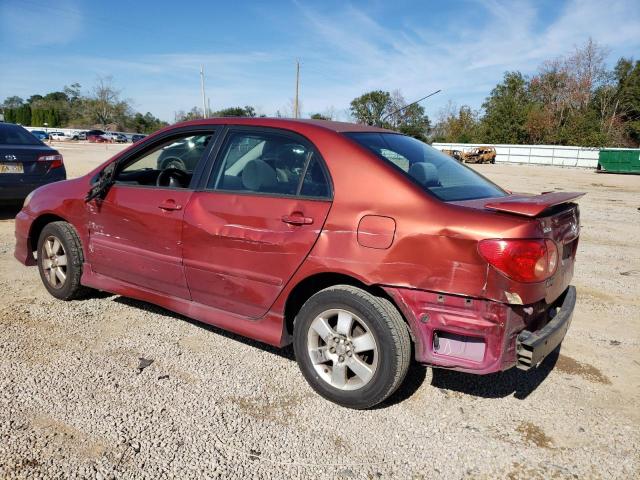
(74, 402)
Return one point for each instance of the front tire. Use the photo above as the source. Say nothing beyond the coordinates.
(60, 260)
(351, 346)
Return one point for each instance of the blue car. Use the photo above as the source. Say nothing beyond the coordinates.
(40, 134)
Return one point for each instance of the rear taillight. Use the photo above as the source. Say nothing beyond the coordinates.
(521, 260)
(56, 160)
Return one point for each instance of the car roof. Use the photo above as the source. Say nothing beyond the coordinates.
(287, 123)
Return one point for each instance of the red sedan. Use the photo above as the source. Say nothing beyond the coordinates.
(362, 247)
(96, 139)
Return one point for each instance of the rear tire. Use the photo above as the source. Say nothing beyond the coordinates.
(60, 260)
(351, 346)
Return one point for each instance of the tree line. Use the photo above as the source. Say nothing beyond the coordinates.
(101, 107)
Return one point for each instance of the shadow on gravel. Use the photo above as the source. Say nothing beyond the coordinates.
(286, 352)
(414, 379)
(9, 211)
(496, 385)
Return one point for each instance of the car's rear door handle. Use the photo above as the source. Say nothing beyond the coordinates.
(169, 205)
(297, 219)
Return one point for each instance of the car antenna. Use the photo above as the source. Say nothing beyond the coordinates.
(406, 106)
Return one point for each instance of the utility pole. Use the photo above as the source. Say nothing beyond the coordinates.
(295, 100)
(204, 102)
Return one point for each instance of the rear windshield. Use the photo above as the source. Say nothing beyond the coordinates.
(439, 174)
(16, 135)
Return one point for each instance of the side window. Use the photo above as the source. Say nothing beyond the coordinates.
(168, 164)
(315, 183)
(268, 163)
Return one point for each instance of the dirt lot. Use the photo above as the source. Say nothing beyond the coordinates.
(73, 403)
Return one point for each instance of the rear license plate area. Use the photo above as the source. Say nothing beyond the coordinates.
(11, 167)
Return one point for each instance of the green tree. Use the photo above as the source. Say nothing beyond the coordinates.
(34, 98)
(104, 106)
(13, 102)
(409, 119)
(391, 111)
(247, 111)
(457, 125)
(10, 115)
(627, 73)
(37, 118)
(506, 111)
(146, 123)
(319, 116)
(23, 115)
(194, 114)
(371, 107)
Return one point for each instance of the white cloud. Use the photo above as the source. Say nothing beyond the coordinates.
(35, 25)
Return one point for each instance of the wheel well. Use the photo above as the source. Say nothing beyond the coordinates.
(313, 284)
(38, 225)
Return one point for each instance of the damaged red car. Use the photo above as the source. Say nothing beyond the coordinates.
(363, 247)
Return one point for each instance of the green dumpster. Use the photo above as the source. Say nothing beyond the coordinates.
(619, 161)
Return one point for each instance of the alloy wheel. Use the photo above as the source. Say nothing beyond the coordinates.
(342, 349)
(54, 262)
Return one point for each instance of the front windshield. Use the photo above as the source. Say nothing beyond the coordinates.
(439, 174)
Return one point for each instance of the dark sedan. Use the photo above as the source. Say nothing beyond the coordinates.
(183, 154)
(25, 163)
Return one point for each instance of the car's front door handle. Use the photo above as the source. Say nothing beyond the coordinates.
(169, 205)
(297, 219)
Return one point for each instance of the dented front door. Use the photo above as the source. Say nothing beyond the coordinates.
(134, 236)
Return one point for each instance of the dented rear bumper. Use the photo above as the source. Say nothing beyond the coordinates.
(533, 347)
(481, 336)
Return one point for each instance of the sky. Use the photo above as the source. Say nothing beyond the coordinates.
(153, 50)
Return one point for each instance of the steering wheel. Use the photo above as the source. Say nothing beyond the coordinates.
(173, 178)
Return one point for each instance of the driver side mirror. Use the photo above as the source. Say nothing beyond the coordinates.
(103, 183)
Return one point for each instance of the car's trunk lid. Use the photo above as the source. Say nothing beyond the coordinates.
(531, 205)
(558, 219)
(27, 156)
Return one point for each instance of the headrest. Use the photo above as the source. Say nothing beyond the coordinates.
(257, 175)
(425, 173)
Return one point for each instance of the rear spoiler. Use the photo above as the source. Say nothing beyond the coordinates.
(532, 205)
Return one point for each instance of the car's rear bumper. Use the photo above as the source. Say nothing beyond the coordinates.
(17, 187)
(23, 250)
(533, 347)
(482, 336)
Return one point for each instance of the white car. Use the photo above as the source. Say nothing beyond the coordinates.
(59, 136)
(115, 137)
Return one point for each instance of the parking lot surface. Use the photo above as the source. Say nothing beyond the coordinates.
(74, 402)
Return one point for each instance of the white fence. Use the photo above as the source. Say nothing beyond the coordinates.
(566, 156)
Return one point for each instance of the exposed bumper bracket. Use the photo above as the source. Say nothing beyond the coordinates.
(533, 347)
